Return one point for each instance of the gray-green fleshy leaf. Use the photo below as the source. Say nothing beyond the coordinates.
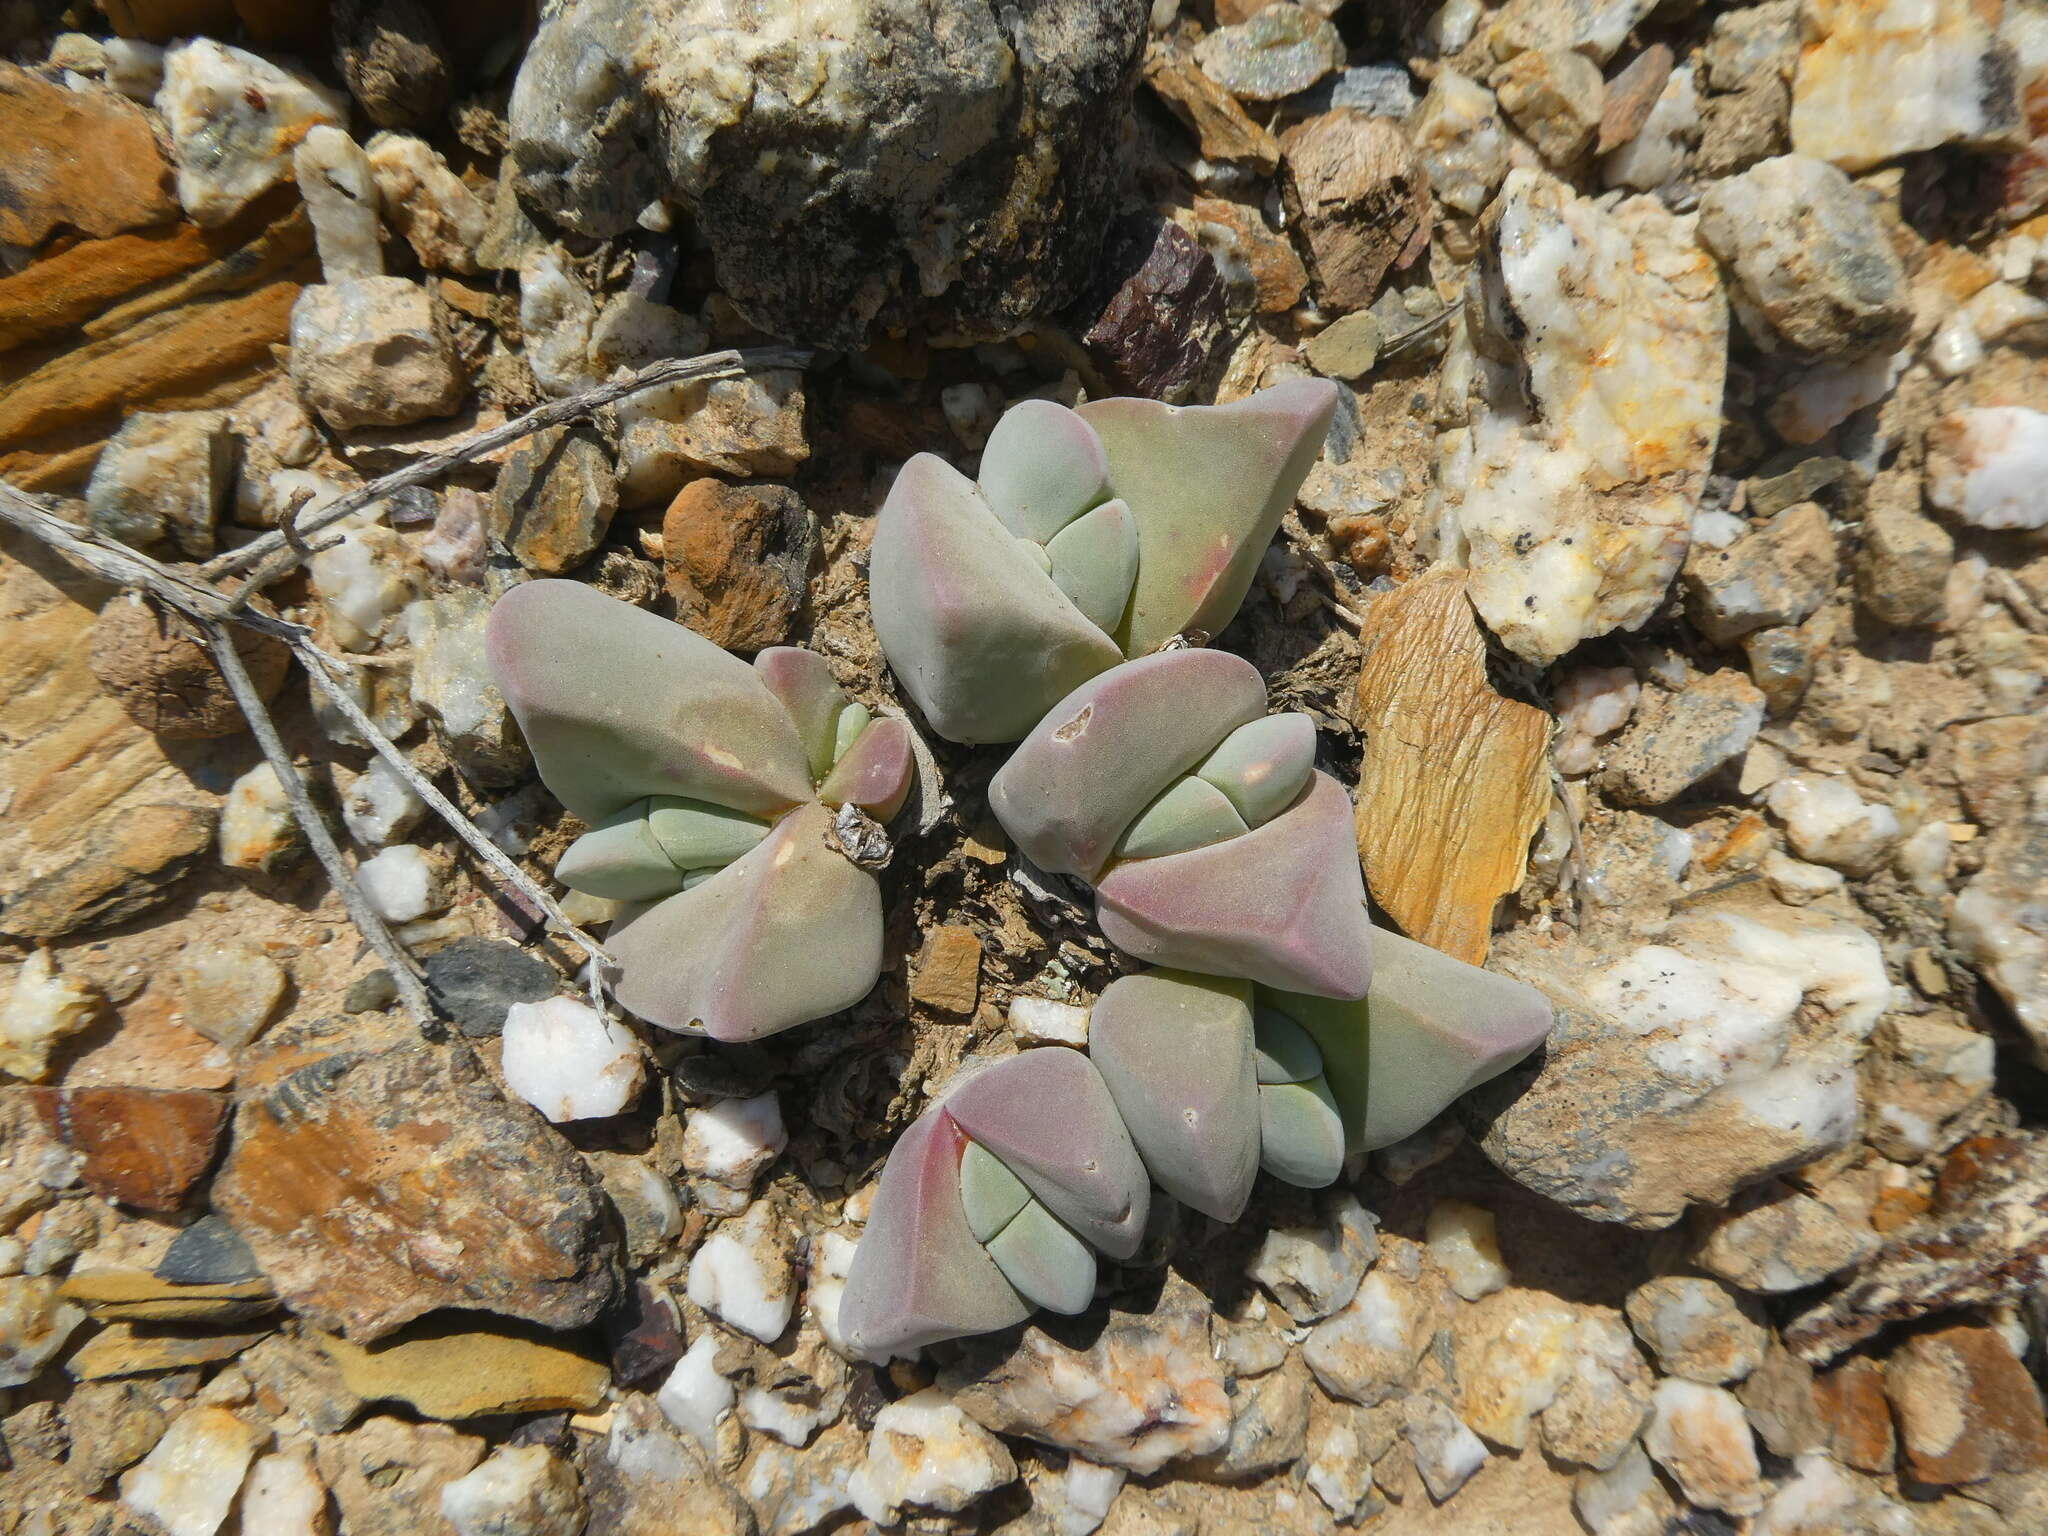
(1192, 813)
(1094, 560)
(1286, 1052)
(989, 1193)
(619, 704)
(1047, 1263)
(1042, 468)
(1430, 1028)
(974, 629)
(696, 834)
(1208, 485)
(620, 860)
(1176, 1053)
(814, 699)
(1301, 1134)
(853, 719)
(1105, 751)
(1263, 766)
(790, 932)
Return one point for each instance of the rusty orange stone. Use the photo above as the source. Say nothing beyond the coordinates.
(145, 1147)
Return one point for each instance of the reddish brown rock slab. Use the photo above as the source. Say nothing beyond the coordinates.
(377, 1178)
(84, 160)
(1967, 1409)
(1159, 332)
(1851, 1403)
(145, 1147)
(1353, 187)
(738, 559)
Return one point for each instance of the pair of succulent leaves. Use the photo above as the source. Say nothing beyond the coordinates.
(990, 1207)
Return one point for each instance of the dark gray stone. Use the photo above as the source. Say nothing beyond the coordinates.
(474, 981)
(209, 1252)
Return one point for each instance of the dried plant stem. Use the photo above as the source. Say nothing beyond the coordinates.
(319, 667)
(282, 550)
(411, 989)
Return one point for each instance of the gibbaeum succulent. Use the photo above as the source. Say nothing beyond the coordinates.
(1212, 842)
(710, 787)
(1092, 535)
(1209, 1080)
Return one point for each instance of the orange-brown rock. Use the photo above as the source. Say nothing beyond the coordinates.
(85, 160)
(376, 1178)
(1223, 129)
(62, 290)
(738, 558)
(73, 763)
(1454, 782)
(1966, 1407)
(127, 865)
(146, 1147)
(1278, 277)
(157, 670)
(946, 974)
(1858, 1422)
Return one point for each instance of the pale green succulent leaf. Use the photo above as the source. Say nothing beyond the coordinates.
(696, 834)
(1094, 560)
(620, 860)
(1301, 1134)
(1263, 766)
(1287, 1052)
(853, 719)
(1046, 1262)
(989, 1192)
(1191, 813)
(1043, 466)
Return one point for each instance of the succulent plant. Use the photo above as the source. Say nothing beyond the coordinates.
(995, 1203)
(1093, 535)
(712, 789)
(1217, 1078)
(1212, 842)
(989, 1205)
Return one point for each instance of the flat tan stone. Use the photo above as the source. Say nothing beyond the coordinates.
(465, 1373)
(947, 972)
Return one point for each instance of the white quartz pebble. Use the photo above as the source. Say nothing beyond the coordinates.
(402, 883)
(569, 1061)
(741, 1275)
(695, 1397)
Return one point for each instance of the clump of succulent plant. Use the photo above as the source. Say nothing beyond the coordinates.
(994, 1204)
(1217, 1078)
(713, 791)
(1092, 535)
(1212, 841)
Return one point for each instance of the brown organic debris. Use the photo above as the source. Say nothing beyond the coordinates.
(1454, 782)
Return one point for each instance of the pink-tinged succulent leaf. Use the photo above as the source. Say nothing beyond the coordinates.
(990, 1194)
(1042, 468)
(1047, 1264)
(1106, 750)
(1095, 560)
(620, 860)
(1262, 766)
(918, 1275)
(1176, 1053)
(1049, 1117)
(1208, 485)
(973, 626)
(619, 704)
(791, 932)
(875, 773)
(1301, 1134)
(1283, 905)
(1286, 1052)
(1192, 813)
(1430, 1029)
(696, 834)
(804, 683)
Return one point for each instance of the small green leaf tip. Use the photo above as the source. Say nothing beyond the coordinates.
(1092, 535)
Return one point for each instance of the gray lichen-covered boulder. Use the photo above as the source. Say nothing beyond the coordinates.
(945, 159)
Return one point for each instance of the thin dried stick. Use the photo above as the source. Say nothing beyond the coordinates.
(411, 989)
(281, 550)
(317, 667)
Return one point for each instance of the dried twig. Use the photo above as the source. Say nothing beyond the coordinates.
(283, 549)
(411, 989)
(318, 667)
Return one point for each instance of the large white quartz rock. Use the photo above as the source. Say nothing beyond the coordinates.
(1988, 466)
(569, 1061)
(1882, 78)
(235, 120)
(1604, 341)
(342, 201)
